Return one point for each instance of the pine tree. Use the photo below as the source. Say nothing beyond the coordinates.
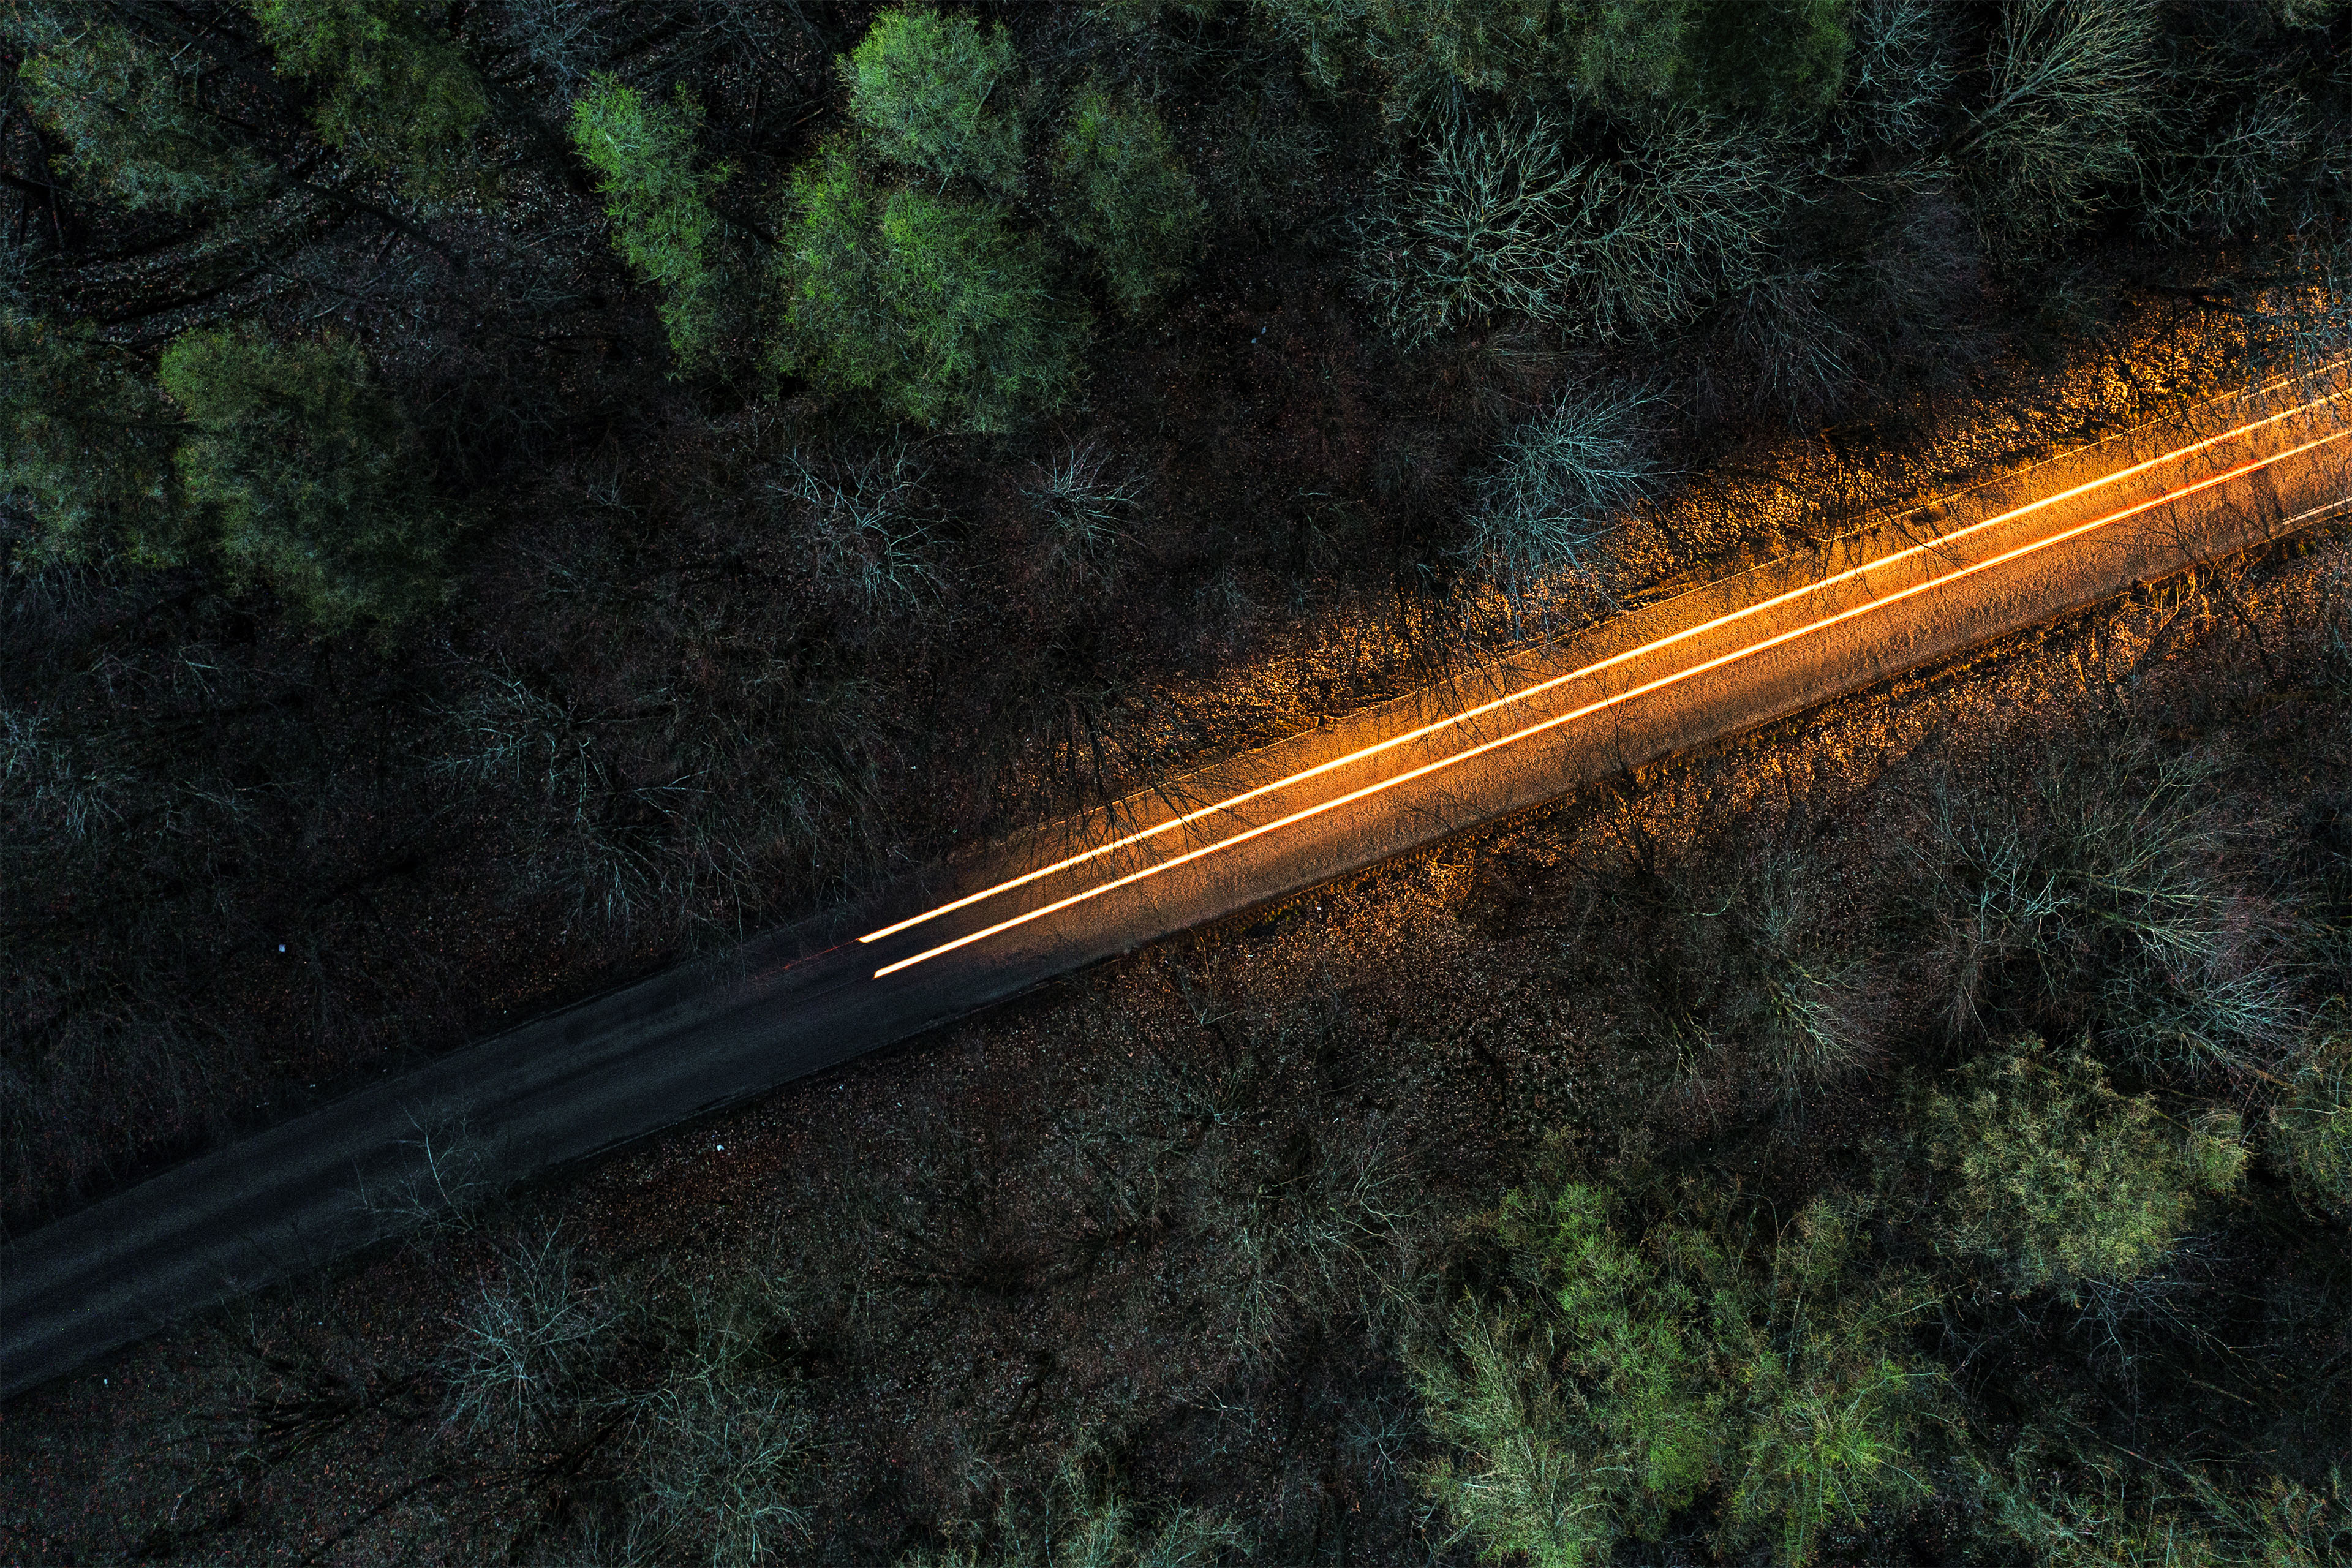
(933, 92)
(312, 474)
(86, 445)
(393, 89)
(644, 153)
(131, 125)
(1126, 197)
(940, 308)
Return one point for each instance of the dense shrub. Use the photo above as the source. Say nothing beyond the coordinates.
(86, 445)
(2085, 897)
(940, 310)
(391, 87)
(1783, 60)
(932, 92)
(131, 125)
(2052, 1179)
(1613, 1381)
(1126, 197)
(660, 204)
(1428, 49)
(309, 466)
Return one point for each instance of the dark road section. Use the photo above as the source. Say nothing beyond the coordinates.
(1753, 648)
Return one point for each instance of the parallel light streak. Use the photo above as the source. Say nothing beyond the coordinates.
(1541, 687)
(1675, 679)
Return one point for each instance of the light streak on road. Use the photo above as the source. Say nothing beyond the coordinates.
(1426, 769)
(1537, 689)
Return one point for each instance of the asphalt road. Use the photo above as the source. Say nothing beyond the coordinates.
(1909, 590)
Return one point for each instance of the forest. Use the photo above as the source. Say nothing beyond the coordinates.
(499, 498)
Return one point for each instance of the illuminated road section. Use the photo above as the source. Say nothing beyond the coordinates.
(1942, 548)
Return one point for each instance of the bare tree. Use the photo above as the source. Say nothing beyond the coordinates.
(2075, 92)
(1561, 485)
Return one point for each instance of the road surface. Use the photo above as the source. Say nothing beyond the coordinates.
(1910, 589)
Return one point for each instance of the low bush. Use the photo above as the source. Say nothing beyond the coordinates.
(1083, 1522)
(2053, 1181)
(863, 522)
(1499, 218)
(1081, 508)
(2088, 899)
(1562, 484)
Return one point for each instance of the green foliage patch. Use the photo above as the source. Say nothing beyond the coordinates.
(1127, 197)
(1612, 1380)
(1776, 58)
(940, 310)
(309, 466)
(393, 89)
(86, 445)
(2052, 1178)
(660, 204)
(2311, 1131)
(933, 92)
(1608, 50)
(131, 124)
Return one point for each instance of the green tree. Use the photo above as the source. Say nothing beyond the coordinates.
(931, 92)
(1127, 197)
(1610, 1384)
(2047, 1174)
(86, 445)
(938, 308)
(312, 473)
(659, 205)
(1780, 58)
(132, 126)
(393, 90)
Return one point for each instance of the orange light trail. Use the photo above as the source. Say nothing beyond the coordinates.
(1541, 687)
(1659, 684)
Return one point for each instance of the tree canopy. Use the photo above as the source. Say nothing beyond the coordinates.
(1126, 197)
(940, 310)
(644, 155)
(933, 92)
(309, 468)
